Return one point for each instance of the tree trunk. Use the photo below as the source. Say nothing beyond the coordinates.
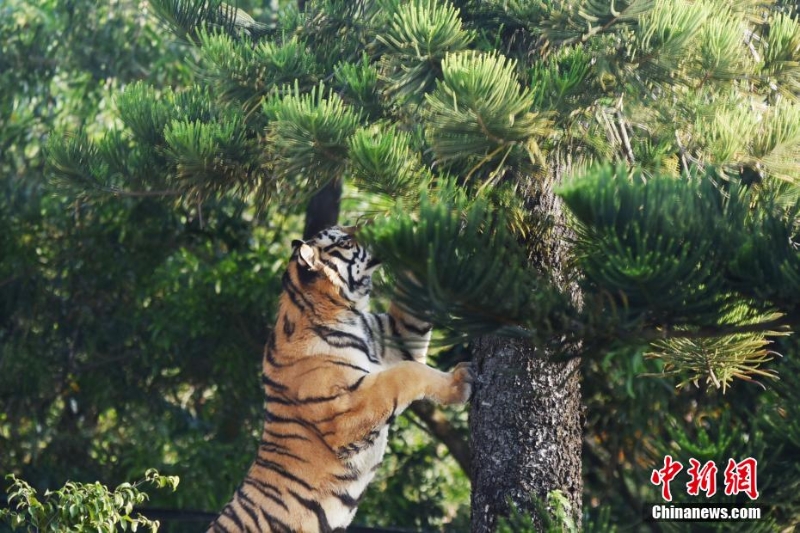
(525, 423)
(526, 431)
(322, 210)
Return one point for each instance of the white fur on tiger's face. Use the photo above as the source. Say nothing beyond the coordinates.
(335, 376)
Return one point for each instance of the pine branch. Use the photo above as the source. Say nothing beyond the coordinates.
(246, 73)
(780, 325)
(309, 134)
(383, 162)
(571, 23)
(653, 245)
(419, 36)
(781, 51)
(457, 265)
(188, 18)
(479, 114)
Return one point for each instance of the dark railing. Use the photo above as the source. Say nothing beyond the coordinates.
(180, 516)
(195, 520)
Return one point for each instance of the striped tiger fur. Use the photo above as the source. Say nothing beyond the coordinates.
(334, 376)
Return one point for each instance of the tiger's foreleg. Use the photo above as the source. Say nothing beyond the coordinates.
(381, 396)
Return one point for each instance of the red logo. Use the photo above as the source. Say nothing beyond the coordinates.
(704, 478)
(741, 477)
(665, 475)
(738, 477)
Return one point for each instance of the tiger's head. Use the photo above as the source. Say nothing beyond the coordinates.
(334, 255)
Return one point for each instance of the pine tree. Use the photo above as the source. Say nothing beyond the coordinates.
(554, 179)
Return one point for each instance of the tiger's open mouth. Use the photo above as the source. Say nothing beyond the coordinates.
(373, 262)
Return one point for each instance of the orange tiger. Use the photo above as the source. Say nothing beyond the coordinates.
(334, 376)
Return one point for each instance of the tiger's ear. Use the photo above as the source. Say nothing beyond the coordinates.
(308, 257)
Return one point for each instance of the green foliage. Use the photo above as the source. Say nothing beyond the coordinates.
(633, 422)
(81, 506)
(479, 115)
(554, 513)
(457, 264)
(782, 53)
(418, 37)
(309, 133)
(384, 162)
(718, 360)
(246, 73)
(560, 77)
(188, 18)
(632, 242)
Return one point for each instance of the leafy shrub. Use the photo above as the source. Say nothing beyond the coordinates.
(81, 506)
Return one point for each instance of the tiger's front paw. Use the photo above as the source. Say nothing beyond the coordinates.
(462, 378)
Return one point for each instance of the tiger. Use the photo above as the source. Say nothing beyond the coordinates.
(335, 376)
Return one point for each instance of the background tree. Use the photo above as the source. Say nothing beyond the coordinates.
(485, 109)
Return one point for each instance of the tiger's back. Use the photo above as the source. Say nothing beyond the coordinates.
(332, 385)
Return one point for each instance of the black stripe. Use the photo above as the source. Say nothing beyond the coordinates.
(277, 449)
(357, 384)
(286, 435)
(336, 244)
(233, 516)
(306, 276)
(269, 350)
(266, 380)
(338, 254)
(250, 508)
(332, 417)
(351, 475)
(366, 327)
(343, 339)
(351, 281)
(277, 526)
(269, 356)
(350, 365)
(219, 527)
(319, 399)
(291, 291)
(281, 471)
(266, 442)
(334, 267)
(416, 329)
(347, 500)
(272, 417)
(298, 294)
(288, 327)
(277, 399)
(315, 507)
(262, 487)
(398, 339)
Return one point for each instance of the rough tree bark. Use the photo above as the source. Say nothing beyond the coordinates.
(525, 419)
(526, 431)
